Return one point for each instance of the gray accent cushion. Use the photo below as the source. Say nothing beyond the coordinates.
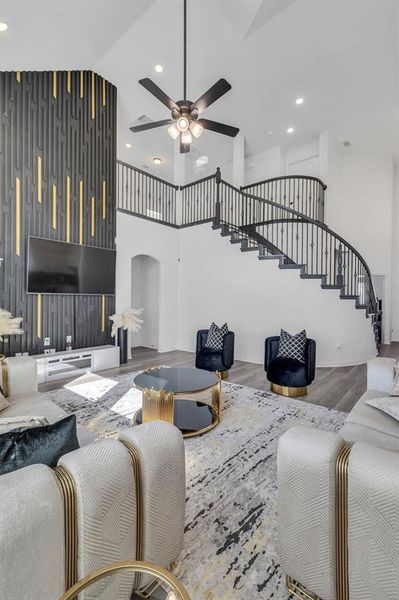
(370, 425)
(24, 421)
(292, 346)
(4, 403)
(214, 340)
(388, 405)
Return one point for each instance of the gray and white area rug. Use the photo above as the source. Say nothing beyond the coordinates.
(230, 538)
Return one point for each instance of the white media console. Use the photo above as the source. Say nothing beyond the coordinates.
(60, 365)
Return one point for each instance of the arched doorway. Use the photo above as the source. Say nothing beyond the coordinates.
(145, 294)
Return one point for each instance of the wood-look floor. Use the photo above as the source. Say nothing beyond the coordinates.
(338, 388)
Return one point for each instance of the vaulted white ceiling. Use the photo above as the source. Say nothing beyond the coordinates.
(342, 57)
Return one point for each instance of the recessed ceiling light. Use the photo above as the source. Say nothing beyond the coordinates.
(3, 27)
(157, 161)
(128, 145)
(290, 130)
(271, 132)
(158, 68)
(299, 101)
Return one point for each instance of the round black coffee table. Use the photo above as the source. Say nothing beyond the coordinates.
(161, 386)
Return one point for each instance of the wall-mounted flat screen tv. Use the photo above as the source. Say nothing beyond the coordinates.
(63, 268)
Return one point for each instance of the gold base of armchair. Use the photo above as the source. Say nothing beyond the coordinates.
(291, 392)
(223, 374)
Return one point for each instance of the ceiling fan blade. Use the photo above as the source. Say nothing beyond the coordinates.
(156, 91)
(218, 127)
(152, 125)
(214, 93)
(184, 147)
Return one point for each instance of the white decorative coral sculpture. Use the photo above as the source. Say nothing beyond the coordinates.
(128, 319)
(9, 325)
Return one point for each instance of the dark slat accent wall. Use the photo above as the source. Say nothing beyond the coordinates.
(57, 181)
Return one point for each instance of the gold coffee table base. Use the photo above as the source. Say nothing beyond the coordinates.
(185, 413)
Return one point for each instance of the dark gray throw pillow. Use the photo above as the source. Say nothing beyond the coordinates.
(37, 445)
(292, 346)
(215, 337)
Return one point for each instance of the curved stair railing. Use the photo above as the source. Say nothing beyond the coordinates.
(284, 222)
(300, 192)
(299, 242)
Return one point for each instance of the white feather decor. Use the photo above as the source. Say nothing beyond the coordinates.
(9, 325)
(128, 319)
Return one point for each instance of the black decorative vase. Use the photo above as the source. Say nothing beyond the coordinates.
(122, 343)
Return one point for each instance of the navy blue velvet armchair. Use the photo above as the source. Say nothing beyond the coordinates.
(288, 376)
(215, 360)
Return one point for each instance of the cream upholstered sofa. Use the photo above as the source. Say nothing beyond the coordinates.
(338, 502)
(109, 501)
(19, 383)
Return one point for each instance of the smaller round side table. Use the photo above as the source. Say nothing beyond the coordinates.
(163, 584)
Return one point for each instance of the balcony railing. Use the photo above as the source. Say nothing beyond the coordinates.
(145, 195)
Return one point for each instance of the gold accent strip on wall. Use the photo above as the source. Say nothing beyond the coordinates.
(54, 220)
(104, 92)
(93, 95)
(68, 491)
(68, 209)
(81, 91)
(39, 316)
(54, 84)
(18, 216)
(103, 314)
(104, 211)
(69, 82)
(93, 216)
(341, 523)
(18, 76)
(39, 179)
(80, 212)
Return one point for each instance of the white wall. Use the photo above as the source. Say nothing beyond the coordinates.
(257, 298)
(264, 165)
(137, 236)
(303, 160)
(145, 294)
(395, 257)
(359, 206)
(203, 278)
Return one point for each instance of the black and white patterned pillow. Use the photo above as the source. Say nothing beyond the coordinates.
(292, 346)
(214, 340)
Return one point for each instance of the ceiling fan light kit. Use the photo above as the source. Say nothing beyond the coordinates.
(184, 121)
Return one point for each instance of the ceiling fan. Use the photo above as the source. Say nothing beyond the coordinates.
(185, 121)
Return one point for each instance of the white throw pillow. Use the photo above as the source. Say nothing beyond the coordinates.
(388, 405)
(9, 423)
(395, 387)
(4, 403)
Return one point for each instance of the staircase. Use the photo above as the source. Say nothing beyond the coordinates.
(279, 219)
